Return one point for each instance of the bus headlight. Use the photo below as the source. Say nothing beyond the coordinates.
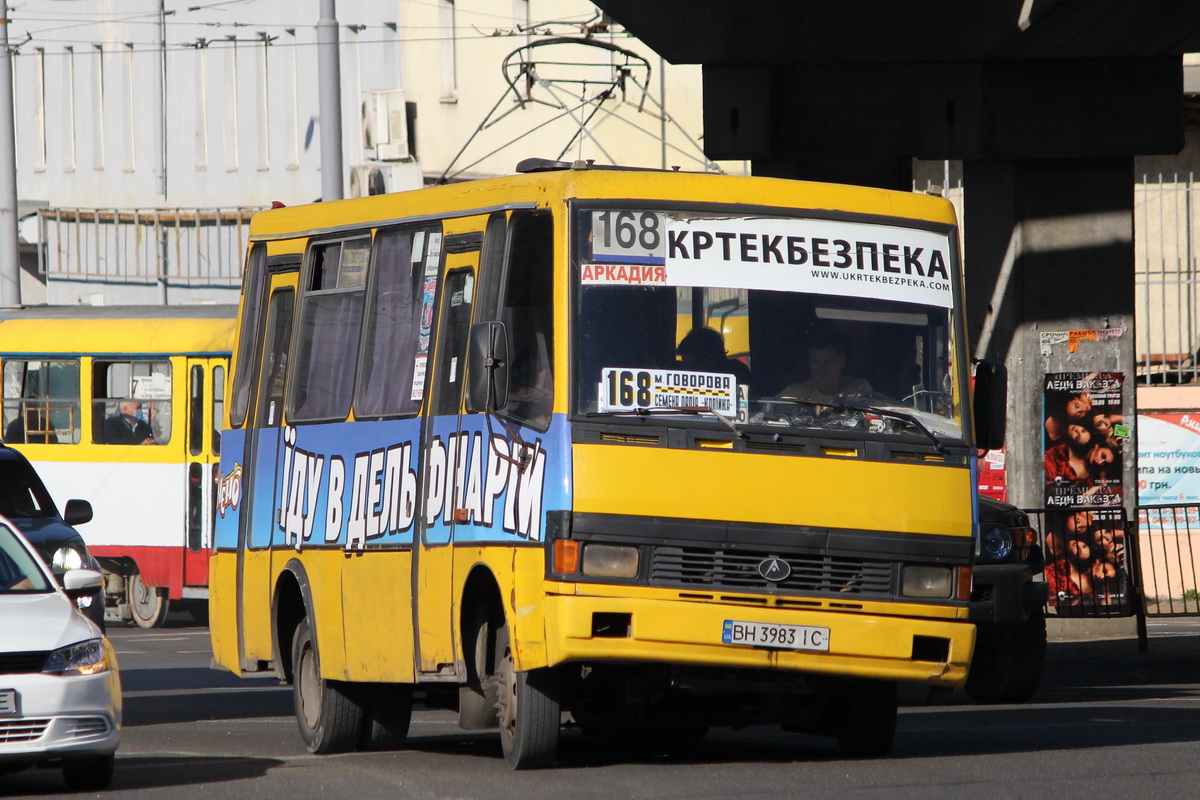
(66, 558)
(927, 582)
(610, 561)
(997, 543)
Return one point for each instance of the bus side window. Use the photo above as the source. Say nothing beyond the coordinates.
(41, 401)
(131, 402)
(331, 310)
(392, 331)
(528, 313)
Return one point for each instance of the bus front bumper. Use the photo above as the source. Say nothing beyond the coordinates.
(935, 652)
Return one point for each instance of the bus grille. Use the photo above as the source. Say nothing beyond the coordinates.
(729, 569)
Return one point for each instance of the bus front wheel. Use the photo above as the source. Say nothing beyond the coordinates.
(527, 706)
(148, 604)
(329, 713)
(866, 725)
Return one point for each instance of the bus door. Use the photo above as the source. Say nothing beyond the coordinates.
(443, 470)
(264, 442)
(206, 402)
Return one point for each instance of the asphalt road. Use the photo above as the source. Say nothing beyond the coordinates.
(1108, 722)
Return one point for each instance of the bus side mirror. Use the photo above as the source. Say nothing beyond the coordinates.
(487, 367)
(990, 405)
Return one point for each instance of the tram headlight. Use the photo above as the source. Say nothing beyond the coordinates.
(610, 561)
(66, 558)
(925, 581)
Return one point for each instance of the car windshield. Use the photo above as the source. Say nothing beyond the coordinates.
(19, 572)
(782, 322)
(22, 494)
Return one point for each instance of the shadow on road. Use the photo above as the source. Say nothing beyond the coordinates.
(147, 772)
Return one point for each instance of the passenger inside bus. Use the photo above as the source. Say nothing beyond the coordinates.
(703, 350)
(827, 352)
(127, 427)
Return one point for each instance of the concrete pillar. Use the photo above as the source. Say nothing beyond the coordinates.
(1049, 262)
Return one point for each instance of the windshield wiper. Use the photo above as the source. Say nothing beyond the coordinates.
(667, 410)
(903, 416)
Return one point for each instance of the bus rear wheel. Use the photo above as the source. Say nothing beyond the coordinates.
(148, 604)
(528, 708)
(328, 713)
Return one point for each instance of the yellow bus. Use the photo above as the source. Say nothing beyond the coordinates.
(122, 406)
(472, 451)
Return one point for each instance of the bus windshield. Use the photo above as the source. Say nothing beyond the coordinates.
(798, 323)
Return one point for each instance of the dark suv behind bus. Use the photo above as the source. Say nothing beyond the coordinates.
(1007, 603)
(25, 501)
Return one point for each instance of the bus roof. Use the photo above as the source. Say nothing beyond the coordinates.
(547, 187)
(127, 330)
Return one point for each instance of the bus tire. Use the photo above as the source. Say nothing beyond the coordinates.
(147, 604)
(328, 713)
(388, 712)
(1008, 661)
(866, 725)
(528, 708)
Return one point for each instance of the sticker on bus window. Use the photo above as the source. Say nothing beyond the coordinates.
(418, 386)
(434, 254)
(628, 389)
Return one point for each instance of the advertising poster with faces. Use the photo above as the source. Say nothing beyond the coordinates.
(1084, 441)
(1084, 438)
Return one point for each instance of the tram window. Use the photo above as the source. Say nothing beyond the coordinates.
(41, 401)
(131, 402)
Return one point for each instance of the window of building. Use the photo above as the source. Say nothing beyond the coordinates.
(448, 32)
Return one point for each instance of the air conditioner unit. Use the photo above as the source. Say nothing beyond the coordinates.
(381, 178)
(384, 125)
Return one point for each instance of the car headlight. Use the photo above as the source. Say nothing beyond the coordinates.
(85, 658)
(66, 558)
(997, 542)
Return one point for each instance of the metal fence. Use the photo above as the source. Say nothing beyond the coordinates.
(1099, 564)
(1169, 549)
(1167, 277)
(190, 247)
(1091, 559)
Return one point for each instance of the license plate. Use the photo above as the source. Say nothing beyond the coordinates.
(775, 637)
(8, 702)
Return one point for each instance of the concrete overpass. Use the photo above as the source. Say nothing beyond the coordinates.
(1045, 102)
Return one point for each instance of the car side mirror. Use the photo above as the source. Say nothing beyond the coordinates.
(77, 512)
(78, 582)
(487, 367)
(990, 405)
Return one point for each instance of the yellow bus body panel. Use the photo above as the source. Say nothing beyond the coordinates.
(377, 617)
(668, 629)
(257, 625)
(827, 492)
(223, 609)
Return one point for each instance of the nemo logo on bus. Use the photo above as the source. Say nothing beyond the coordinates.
(229, 492)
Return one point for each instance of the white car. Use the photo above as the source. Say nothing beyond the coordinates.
(60, 695)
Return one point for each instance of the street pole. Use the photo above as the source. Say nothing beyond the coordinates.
(330, 83)
(10, 254)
